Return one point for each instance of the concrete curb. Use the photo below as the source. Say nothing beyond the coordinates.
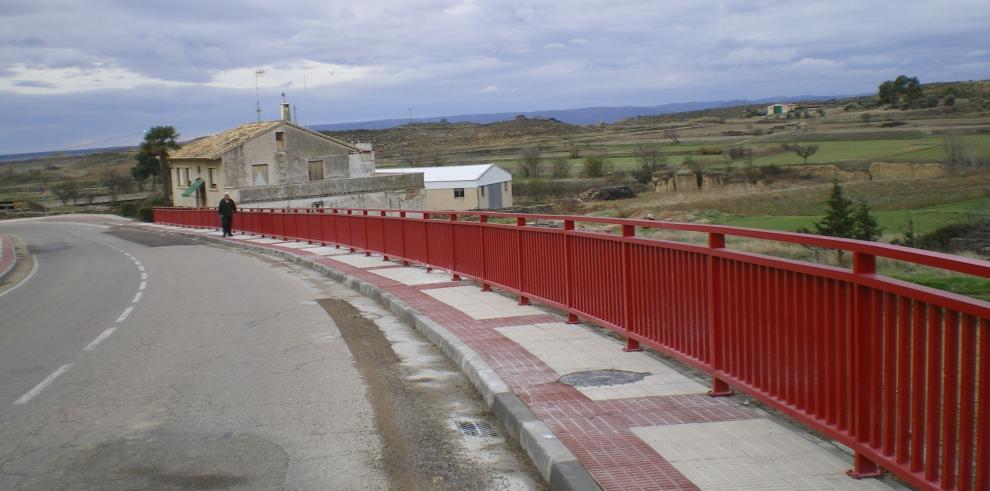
(7, 239)
(556, 464)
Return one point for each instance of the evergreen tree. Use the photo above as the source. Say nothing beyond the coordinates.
(865, 227)
(152, 157)
(838, 221)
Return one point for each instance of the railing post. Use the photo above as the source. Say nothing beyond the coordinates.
(716, 349)
(350, 238)
(568, 288)
(631, 344)
(862, 351)
(485, 287)
(384, 251)
(453, 249)
(364, 214)
(520, 222)
(402, 238)
(426, 237)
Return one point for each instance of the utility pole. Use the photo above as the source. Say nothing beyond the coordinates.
(257, 92)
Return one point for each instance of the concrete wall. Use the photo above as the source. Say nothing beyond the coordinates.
(399, 184)
(398, 199)
(197, 169)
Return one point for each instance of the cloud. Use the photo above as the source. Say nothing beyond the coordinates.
(36, 84)
(366, 60)
(755, 56)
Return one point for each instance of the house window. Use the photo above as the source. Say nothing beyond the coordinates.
(482, 191)
(183, 176)
(259, 175)
(315, 170)
(458, 192)
(505, 186)
(210, 177)
(280, 141)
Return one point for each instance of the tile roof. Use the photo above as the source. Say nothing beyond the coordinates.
(213, 146)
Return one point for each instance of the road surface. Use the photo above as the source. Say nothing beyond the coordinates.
(131, 359)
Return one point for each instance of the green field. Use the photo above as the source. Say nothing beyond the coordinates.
(893, 222)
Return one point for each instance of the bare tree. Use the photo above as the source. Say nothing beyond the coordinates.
(115, 184)
(529, 162)
(650, 158)
(803, 151)
(560, 168)
(65, 191)
(672, 134)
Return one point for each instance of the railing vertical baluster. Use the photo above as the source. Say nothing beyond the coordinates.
(402, 238)
(568, 275)
(862, 350)
(715, 327)
(426, 239)
(384, 249)
(485, 287)
(631, 344)
(523, 299)
(453, 249)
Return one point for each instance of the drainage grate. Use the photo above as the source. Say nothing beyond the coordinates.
(475, 428)
(602, 378)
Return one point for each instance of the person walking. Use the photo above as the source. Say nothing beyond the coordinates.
(226, 209)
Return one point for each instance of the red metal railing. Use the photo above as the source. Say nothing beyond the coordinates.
(896, 371)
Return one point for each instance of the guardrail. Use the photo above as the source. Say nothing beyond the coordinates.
(898, 372)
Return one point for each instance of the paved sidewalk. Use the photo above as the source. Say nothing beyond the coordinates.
(658, 431)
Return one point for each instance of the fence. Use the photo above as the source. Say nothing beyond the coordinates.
(896, 371)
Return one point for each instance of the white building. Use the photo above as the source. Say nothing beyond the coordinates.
(462, 187)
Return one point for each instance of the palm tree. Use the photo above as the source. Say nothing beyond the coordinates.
(152, 157)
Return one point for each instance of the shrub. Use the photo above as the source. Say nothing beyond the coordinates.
(596, 166)
(710, 151)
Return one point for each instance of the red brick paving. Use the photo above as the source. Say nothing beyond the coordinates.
(596, 432)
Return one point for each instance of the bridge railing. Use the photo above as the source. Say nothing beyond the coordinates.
(898, 372)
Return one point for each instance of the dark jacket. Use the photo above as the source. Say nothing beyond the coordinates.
(227, 208)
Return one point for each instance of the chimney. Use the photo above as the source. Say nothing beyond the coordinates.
(286, 114)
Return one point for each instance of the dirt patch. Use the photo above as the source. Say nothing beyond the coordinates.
(417, 454)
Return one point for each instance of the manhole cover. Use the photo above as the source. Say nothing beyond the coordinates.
(475, 428)
(601, 378)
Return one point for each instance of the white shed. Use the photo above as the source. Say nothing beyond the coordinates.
(462, 187)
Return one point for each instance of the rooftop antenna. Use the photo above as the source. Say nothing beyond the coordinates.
(257, 92)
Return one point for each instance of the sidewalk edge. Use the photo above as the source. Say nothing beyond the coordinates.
(13, 253)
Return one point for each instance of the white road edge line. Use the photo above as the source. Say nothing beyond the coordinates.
(99, 339)
(137, 297)
(144, 275)
(34, 269)
(44, 383)
(124, 314)
(143, 285)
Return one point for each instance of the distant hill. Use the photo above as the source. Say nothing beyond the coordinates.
(20, 157)
(581, 116)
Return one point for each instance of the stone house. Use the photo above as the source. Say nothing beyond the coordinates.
(276, 164)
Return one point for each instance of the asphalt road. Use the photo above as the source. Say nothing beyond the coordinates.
(218, 377)
(134, 360)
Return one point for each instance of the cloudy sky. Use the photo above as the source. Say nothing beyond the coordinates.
(78, 74)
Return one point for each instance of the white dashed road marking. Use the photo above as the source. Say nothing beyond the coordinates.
(44, 383)
(99, 339)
